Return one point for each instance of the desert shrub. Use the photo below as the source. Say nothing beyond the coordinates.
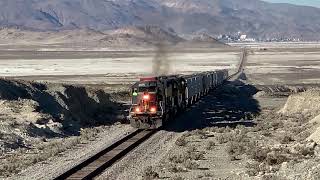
(222, 138)
(206, 175)
(188, 134)
(174, 168)
(189, 164)
(257, 153)
(253, 168)
(286, 139)
(259, 127)
(227, 129)
(19, 161)
(277, 124)
(304, 150)
(178, 178)
(89, 134)
(8, 169)
(235, 149)
(223, 130)
(177, 158)
(241, 129)
(210, 145)
(275, 158)
(236, 135)
(269, 176)
(266, 133)
(181, 141)
(303, 135)
(191, 149)
(193, 154)
(212, 129)
(150, 174)
(202, 134)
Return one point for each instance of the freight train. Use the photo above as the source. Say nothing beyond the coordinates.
(156, 100)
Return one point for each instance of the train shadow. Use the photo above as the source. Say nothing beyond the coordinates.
(227, 106)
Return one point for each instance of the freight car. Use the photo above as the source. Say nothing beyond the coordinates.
(156, 100)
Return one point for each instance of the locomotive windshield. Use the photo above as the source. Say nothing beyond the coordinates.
(147, 87)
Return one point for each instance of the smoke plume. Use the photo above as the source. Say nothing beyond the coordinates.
(161, 62)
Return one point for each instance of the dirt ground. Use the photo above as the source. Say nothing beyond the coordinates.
(240, 131)
(234, 133)
(40, 122)
(267, 64)
(270, 66)
(237, 132)
(112, 67)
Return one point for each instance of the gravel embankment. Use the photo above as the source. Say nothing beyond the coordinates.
(230, 134)
(58, 164)
(149, 153)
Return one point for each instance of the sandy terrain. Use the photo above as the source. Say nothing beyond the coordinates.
(157, 151)
(54, 126)
(277, 45)
(268, 64)
(238, 132)
(65, 160)
(221, 137)
(107, 67)
(233, 133)
(286, 65)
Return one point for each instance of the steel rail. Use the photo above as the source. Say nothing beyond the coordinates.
(96, 164)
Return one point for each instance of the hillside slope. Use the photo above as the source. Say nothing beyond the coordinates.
(254, 17)
(133, 37)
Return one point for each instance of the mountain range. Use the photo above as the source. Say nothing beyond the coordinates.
(257, 19)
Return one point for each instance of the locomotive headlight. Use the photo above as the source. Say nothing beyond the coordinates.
(138, 109)
(146, 97)
(153, 109)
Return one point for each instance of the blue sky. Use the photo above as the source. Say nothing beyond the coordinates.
(315, 3)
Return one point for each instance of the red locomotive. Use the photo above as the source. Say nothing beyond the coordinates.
(156, 100)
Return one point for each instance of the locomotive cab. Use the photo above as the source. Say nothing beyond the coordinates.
(146, 108)
(158, 100)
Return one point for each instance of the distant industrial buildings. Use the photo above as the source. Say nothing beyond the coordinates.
(242, 37)
(238, 37)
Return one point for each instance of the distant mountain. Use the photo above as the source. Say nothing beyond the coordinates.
(150, 34)
(132, 37)
(253, 17)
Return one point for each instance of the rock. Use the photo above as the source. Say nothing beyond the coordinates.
(260, 94)
(304, 103)
(42, 121)
(315, 136)
(284, 165)
(311, 145)
(316, 120)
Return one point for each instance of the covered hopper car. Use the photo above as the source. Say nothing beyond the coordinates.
(156, 100)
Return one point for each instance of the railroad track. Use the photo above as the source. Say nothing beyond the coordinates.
(243, 59)
(96, 164)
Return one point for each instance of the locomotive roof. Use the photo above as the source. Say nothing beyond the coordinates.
(174, 77)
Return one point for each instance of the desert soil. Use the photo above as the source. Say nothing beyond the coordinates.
(234, 133)
(112, 67)
(52, 127)
(248, 129)
(242, 130)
